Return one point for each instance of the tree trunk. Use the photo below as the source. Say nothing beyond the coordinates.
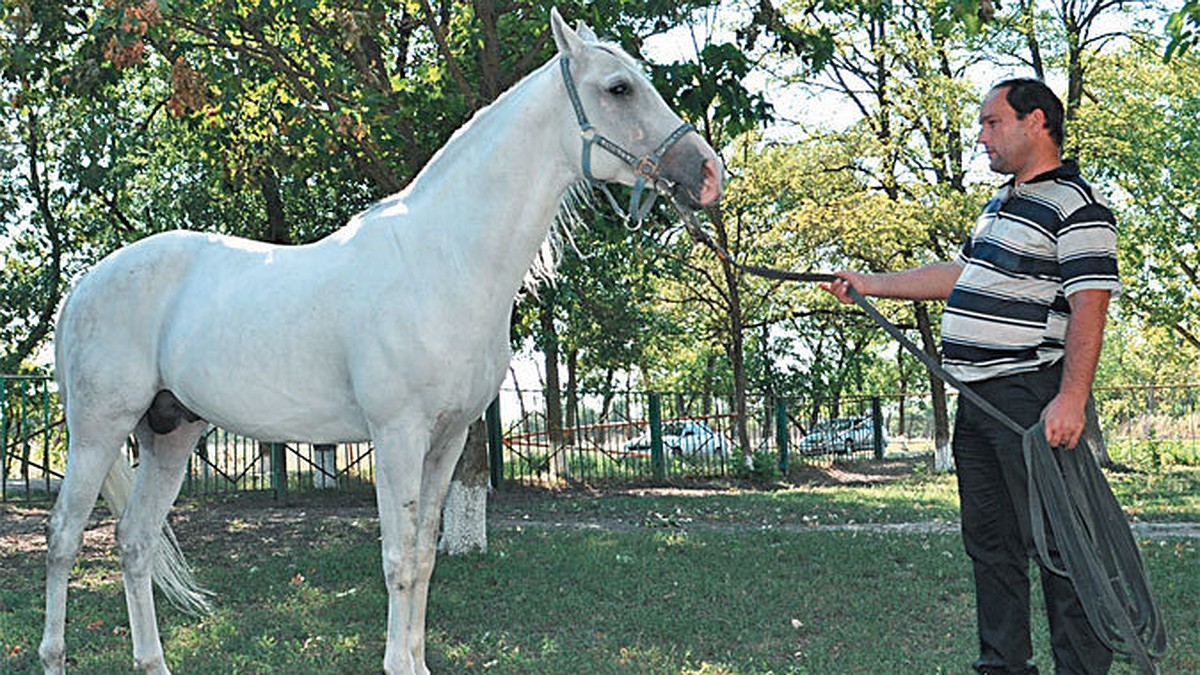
(553, 389)
(464, 515)
(1031, 40)
(12, 361)
(489, 54)
(902, 415)
(278, 231)
(572, 411)
(943, 458)
(734, 341)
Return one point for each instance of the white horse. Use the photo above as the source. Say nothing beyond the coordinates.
(393, 329)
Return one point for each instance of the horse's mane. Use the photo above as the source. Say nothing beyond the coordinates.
(566, 222)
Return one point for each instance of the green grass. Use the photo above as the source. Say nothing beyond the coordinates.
(738, 509)
(1169, 496)
(721, 583)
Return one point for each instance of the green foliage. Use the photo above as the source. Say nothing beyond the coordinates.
(763, 467)
(1149, 148)
(713, 89)
(1183, 30)
(1139, 352)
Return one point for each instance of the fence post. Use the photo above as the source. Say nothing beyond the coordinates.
(23, 430)
(781, 434)
(656, 442)
(46, 434)
(877, 426)
(495, 437)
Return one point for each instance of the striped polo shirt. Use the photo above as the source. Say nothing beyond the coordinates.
(1033, 246)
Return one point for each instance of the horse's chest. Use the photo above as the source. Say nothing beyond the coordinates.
(441, 375)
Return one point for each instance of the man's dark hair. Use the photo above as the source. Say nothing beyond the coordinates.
(1027, 94)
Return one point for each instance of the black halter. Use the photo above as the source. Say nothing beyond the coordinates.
(644, 168)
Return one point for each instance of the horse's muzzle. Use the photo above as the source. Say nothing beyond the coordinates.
(694, 173)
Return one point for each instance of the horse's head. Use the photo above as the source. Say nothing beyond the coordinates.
(644, 143)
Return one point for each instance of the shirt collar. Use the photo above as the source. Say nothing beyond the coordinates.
(1068, 169)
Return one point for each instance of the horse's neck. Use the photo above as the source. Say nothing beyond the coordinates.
(490, 194)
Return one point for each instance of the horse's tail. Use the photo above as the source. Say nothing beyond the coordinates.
(171, 573)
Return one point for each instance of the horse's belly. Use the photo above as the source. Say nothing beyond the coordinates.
(264, 377)
(271, 404)
(307, 425)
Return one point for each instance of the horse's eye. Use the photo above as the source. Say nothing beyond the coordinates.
(620, 89)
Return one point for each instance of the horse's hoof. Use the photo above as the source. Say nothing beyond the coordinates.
(54, 662)
(153, 666)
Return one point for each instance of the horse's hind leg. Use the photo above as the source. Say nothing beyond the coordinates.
(89, 459)
(163, 462)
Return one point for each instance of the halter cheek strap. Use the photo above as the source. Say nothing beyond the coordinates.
(644, 168)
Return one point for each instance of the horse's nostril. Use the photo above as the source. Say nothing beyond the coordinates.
(710, 191)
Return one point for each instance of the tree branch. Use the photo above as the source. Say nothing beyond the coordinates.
(52, 274)
(439, 37)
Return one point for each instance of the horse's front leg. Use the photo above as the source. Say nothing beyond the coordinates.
(438, 469)
(398, 462)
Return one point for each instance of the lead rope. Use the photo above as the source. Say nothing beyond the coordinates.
(1066, 488)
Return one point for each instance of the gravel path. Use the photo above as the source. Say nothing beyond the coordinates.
(1153, 531)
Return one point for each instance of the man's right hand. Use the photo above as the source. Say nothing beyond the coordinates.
(841, 288)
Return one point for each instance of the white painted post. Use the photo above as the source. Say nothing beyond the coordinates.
(325, 458)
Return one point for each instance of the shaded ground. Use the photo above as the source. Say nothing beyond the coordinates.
(261, 520)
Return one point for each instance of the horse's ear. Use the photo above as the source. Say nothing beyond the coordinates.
(585, 32)
(569, 42)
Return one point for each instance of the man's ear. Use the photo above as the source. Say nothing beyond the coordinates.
(1037, 120)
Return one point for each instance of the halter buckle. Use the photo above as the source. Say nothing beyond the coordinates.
(646, 167)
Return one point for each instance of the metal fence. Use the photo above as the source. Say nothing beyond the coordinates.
(657, 437)
(1151, 425)
(32, 437)
(607, 437)
(33, 442)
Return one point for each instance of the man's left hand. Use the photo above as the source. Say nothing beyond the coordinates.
(1064, 419)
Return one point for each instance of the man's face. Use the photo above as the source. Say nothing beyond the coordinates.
(1006, 138)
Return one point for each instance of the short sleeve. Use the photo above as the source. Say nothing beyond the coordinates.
(1087, 251)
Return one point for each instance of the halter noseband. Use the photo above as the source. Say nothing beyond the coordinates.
(644, 168)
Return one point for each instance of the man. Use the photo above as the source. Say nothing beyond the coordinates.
(1027, 298)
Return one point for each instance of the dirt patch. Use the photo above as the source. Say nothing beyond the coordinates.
(859, 473)
(237, 524)
(832, 474)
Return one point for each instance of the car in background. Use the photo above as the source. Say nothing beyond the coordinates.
(684, 438)
(844, 435)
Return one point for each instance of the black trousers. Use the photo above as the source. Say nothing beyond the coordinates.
(993, 491)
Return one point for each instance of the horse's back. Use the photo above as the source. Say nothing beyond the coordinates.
(112, 321)
(247, 335)
(120, 299)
